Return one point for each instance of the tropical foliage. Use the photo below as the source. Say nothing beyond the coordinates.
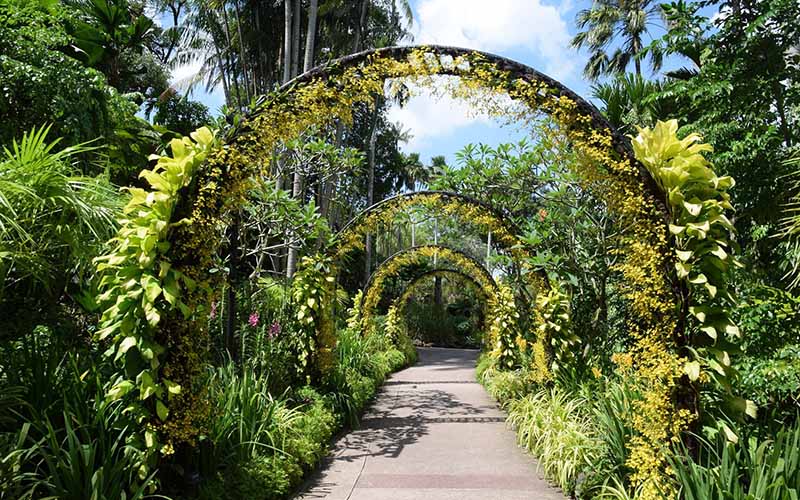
(192, 307)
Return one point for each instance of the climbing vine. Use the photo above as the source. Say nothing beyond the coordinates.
(504, 337)
(312, 292)
(699, 209)
(554, 334)
(139, 285)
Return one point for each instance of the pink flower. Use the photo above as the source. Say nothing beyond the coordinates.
(274, 330)
(253, 320)
(213, 313)
(542, 214)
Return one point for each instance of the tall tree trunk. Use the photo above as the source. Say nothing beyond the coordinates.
(288, 15)
(260, 71)
(234, 88)
(373, 141)
(246, 76)
(437, 291)
(223, 75)
(329, 187)
(296, 39)
(311, 35)
(399, 238)
(287, 40)
(362, 20)
(488, 248)
(291, 259)
(308, 61)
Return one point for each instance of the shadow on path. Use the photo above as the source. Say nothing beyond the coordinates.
(432, 432)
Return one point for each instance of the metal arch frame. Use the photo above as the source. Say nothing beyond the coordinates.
(516, 70)
(434, 272)
(501, 216)
(486, 274)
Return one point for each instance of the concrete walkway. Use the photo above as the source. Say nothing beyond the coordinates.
(433, 433)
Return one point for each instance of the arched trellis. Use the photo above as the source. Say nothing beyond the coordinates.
(411, 287)
(166, 247)
(396, 323)
(503, 316)
(470, 211)
(418, 255)
(401, 301)
(448, 203)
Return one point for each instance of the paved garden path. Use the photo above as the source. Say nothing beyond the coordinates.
(433, 433)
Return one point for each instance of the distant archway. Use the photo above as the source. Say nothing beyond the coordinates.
(466, 264)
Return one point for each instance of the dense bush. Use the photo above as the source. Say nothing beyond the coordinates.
(752, 469)
(453, 325)
(261, 445)
(769, 367)
(59, 437)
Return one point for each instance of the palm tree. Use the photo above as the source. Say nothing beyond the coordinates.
(623, 21)
(53, 221)
(630, 100)
(789, 228)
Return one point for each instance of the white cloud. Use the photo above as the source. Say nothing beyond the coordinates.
(500, 26)
(528, 29)
(429, 115)
(426, 117)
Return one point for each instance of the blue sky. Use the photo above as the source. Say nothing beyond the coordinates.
(534, 32)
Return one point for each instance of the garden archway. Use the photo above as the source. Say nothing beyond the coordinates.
(481, 216)
(157, 287)
(400, 302)
(417, 255)
(413, 284)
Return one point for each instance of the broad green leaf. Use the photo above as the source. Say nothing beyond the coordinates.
(692, 369)
(126, 344)
(149, 438)
(161, 410)
(120, 389)
(172, 388)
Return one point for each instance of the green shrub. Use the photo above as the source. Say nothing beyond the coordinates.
(506, 386)
(310, 433)
(554, 427)
(751, 469)
(406, 346)
(769, 369)
(263, 477)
